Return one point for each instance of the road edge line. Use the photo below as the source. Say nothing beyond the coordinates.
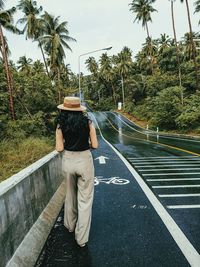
(181, 240)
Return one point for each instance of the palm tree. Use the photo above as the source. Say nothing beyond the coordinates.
(38, 67)
(107, 74)
(163, 42)
(55, 40)
(24, 64)
(1, 4)
(177, 49)
(6, 22)
(92, 66)
(192, 41)
(143, 10)
(33, 24)
(197, 6)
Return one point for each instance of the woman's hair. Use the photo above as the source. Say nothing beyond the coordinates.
(72, 120)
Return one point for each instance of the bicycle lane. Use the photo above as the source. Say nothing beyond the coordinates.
(126, 230)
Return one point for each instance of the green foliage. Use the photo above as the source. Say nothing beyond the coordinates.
(167, 108)
(17, 155)
(190, 117)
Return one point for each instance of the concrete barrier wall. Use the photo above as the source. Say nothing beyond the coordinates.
(29, 206)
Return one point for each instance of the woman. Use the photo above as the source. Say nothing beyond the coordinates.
(75, 134)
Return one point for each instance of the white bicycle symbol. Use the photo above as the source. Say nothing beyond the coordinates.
(112, 180)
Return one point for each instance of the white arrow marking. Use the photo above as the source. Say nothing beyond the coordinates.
(102, 159)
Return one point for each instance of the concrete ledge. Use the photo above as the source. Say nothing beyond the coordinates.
(30, 248)
(23, 198)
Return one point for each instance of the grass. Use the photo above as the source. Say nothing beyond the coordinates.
(16, 155)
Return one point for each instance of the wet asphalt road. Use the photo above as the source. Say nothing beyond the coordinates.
(126, 230)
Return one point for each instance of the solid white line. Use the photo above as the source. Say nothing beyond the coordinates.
(168, 174)
(176, 186)
(180, 195)
(164, 165)
(174, 179)
(183, 243)
(184, 207)
(174, 169)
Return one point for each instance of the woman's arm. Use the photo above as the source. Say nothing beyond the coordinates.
(93, 136)
(59, 140)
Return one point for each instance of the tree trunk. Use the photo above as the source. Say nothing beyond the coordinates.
(45, 63)
(193, 46)
(177, 51)
(150, 48)
(8, 75)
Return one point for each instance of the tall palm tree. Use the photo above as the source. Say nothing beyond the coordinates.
(197, 6)
(6, 22)
(143, 10)
(177, 49)
(192, 41)
(123, 65)
(33, 24)
(1, 4)
(55, 39)
(107, 74)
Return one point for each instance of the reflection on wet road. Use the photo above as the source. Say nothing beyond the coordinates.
(170, 166)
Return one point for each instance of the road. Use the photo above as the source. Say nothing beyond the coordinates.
(147, 202)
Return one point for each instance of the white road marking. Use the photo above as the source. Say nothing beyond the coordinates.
(165, 157)
(165, 160)
(165, 165)
(174, 179)
(168, 174)
(161, 163)
(184, 207)
(173, 169)
(102, 159)
(180, 195)
(176, 186)
(182, 241)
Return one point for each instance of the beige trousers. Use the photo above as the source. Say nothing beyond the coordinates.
(78, 171)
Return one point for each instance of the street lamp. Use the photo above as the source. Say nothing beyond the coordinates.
(79, 66)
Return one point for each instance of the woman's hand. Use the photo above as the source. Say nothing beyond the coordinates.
(59, 140)
(93, 136)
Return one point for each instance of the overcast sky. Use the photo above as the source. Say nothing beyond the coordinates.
(96, 24)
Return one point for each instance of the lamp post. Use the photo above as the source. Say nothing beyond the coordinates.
(79, 66)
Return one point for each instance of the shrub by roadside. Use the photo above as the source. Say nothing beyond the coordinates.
(17, 155)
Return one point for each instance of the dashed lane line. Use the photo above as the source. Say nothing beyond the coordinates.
(176, 186)
(165, 165)
(168, 174)
(188, 250)
(179, 195)
(163, 157)
(184, 207)
(173, 169)
(166, 160)
(174, 179)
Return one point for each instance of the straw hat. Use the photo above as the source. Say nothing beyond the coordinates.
(71, 103)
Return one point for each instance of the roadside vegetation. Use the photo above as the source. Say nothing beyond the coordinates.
(161, 84)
